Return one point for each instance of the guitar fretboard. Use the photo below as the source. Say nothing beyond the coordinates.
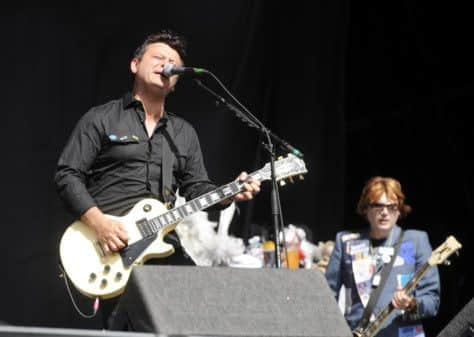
(374, 326)
(152, 226)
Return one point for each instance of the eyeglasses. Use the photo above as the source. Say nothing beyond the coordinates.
(379, 207)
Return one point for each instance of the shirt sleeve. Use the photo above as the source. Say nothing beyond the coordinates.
(193, 180)
(427, 291)
(333, 270)
(77, 157)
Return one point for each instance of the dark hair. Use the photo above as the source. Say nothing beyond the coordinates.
(172, 39)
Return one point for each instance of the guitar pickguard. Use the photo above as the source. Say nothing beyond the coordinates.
(130, 253)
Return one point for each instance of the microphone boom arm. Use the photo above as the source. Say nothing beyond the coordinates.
(251, 120)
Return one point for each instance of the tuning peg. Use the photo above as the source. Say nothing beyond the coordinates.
(282, 183)
(291, 180)
(280, 157)
(301, 177)
(447, 263)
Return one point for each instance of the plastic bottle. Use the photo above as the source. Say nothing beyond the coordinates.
(255, 248)
(269, 254)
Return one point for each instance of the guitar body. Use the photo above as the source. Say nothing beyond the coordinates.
(97, 275)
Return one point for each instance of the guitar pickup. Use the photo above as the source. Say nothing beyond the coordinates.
(144, 228)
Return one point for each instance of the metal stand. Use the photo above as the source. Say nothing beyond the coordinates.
(252, 121)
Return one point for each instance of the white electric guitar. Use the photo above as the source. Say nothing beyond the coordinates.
(96, 274)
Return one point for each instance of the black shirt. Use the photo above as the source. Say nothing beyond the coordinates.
(110, 162)
(377, 242)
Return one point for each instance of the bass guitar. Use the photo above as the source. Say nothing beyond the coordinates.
(439, 256)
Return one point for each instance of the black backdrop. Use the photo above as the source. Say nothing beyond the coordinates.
(361, 91)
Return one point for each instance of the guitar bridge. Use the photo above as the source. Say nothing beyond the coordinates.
(98, 248)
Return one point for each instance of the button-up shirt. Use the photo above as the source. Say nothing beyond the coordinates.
(110, 161)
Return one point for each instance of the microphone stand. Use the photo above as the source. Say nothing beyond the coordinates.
(253, 122)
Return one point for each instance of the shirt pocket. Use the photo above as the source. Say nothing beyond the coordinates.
(124, 148)
(123, 138)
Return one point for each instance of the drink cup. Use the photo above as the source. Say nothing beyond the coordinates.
(293, 252)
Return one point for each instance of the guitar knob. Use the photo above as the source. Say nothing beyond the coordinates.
(92, 277)
(103, 283)
(118, 276)
(106, 269)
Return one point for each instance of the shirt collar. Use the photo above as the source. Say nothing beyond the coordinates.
(129, 101)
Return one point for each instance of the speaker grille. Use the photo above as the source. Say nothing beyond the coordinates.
(220, 301)
(462, 325)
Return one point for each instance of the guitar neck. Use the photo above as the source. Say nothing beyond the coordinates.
(152, 226)
(374, 326)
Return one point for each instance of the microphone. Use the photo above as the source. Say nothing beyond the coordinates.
(172, 69)
(294, 150)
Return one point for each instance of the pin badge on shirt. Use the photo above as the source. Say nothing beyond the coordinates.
(124, 139)
(402, 279)
(350, 236)
(399, 261)
(359, 248)
(386, 251)
(411, 331)
(376, 280)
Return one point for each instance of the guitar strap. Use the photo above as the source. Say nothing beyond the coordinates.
(374, 295)
(167, 164)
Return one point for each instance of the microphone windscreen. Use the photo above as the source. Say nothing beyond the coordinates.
(168, 69)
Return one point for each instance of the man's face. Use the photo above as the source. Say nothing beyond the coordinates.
(383, 215)
(148, 69)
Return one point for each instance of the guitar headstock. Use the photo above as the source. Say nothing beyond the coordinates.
(440, 254)
(284, 168)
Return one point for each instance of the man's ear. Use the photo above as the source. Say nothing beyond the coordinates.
(134, 65)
